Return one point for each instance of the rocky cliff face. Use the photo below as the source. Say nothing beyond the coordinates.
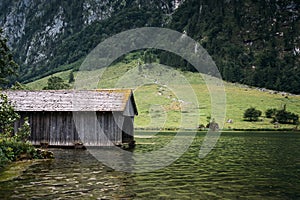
(32, 27)
(36, 30)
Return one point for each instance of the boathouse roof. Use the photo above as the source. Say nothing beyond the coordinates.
(73, 100)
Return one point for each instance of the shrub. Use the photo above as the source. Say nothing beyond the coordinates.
(214, 126)
(23, 132)
(201, 127)
(56, 83)
(3, 159)
(7, 116)
(71, 77)
(251, 114)
(270, 113)
(15, 146)
(285, 117)
(12, 150)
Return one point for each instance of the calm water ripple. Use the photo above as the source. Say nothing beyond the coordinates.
(242, 166)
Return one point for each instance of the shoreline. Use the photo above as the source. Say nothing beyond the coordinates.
(15, 169)
(222, 130)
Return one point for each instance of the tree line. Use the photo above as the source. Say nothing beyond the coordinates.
(281, 116)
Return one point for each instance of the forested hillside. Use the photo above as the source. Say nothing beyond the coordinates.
(252, 42)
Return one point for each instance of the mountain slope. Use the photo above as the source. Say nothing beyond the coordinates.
(252, 42)
(45, 35)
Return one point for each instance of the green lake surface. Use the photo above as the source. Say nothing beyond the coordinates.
(242, 165)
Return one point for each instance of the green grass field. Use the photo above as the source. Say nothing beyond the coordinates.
(163, 98)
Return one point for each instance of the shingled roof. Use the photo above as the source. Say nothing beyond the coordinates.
(72, 100)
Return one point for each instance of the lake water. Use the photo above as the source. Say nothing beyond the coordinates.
(241, 166)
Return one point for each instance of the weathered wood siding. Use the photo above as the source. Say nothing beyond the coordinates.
(127, 130)
(58, 128)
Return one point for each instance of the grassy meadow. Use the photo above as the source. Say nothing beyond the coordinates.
(163, 97)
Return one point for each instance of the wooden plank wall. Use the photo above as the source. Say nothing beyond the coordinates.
(127, 130)
(58, 128)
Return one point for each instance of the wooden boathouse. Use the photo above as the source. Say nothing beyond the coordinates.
(71, 117)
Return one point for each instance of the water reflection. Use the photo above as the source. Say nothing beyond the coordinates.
(242, 166)
(73, 174)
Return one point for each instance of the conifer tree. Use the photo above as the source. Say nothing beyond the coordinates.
(7, 65)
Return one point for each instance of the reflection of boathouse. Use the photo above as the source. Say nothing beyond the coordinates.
(68, 117)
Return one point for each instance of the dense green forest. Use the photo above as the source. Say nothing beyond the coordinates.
(252, 42)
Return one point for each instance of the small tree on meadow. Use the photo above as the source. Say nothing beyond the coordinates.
(252, 114)
(71, 77)
(270, 113)
(56, 83)
(285, 117)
